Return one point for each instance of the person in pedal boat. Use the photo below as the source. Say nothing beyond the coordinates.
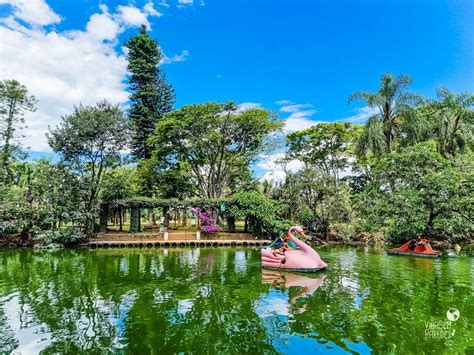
(280, 247)
(416, 242)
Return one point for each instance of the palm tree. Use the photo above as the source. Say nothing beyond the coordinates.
(454, 122)
(395, 107)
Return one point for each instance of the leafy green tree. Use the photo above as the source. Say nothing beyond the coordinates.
(44, 196)
(316, 195)
(19, 216)
(14, 102)
(395, 110)
(58, 189)
(328, 146)
(417, 191)
(119, 184)
(453, 122)
(312, 199)
(89, 142)
(152, 96)
(263, 215)
(215, 141)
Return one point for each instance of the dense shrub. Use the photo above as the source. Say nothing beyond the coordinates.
(264, 215)
(68, 235)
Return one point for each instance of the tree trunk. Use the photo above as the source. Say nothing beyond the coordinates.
(388, 142)
(185, 219)
(104, 217)
(428, 231)
(135, 217)
(166, 221)
(120, 220)
(231, 223)
(6, 152)
(24, 236)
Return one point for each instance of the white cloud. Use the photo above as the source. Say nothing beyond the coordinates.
(176, 58)
(133, 16)
(34, 12)
(266, 307)
(103, 27)
(103, 8)
(284, 102)
(300, 115)
(150, 9)
(298, 108)
(274, 170)
(299, 118)
(61, 69)
(64, 68)
(295, 123)
(362, 115)
(188, 3)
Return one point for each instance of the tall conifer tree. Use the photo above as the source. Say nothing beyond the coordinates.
(152, 96)
(14, 102)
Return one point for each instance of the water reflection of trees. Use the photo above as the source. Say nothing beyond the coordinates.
(388, 303)
(205, 300)
(78, 297)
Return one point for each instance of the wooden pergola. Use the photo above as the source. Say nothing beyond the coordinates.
(219, 206)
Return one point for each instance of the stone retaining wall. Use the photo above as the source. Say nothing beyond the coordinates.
(228, 236)
(173, 243)
(173, 235)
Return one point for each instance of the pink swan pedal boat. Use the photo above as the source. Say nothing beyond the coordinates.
(301, 257)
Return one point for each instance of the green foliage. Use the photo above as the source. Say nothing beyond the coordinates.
(67, 235)
(395, 112)
(313, 200)
(135, 220)
(327, 146)
(155, 178)
(316, 195)
(147, 202)
(44, 196)
(119, 184)
(104, 217)
(264, 215)
(89, 142)
(217, 142)
(417, 191)
(57, 188)
(14, 102)
(346, 231)
(152, 96)
(372, 139)
(417, 179)
(453, 122)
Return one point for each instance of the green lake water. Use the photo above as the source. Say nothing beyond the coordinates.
(220, 301)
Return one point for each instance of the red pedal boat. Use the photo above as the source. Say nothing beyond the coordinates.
(420, 248)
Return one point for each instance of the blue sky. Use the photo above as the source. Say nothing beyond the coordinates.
(312, 53)
(309, 51)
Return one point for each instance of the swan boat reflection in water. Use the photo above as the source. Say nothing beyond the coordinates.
(280, 279)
